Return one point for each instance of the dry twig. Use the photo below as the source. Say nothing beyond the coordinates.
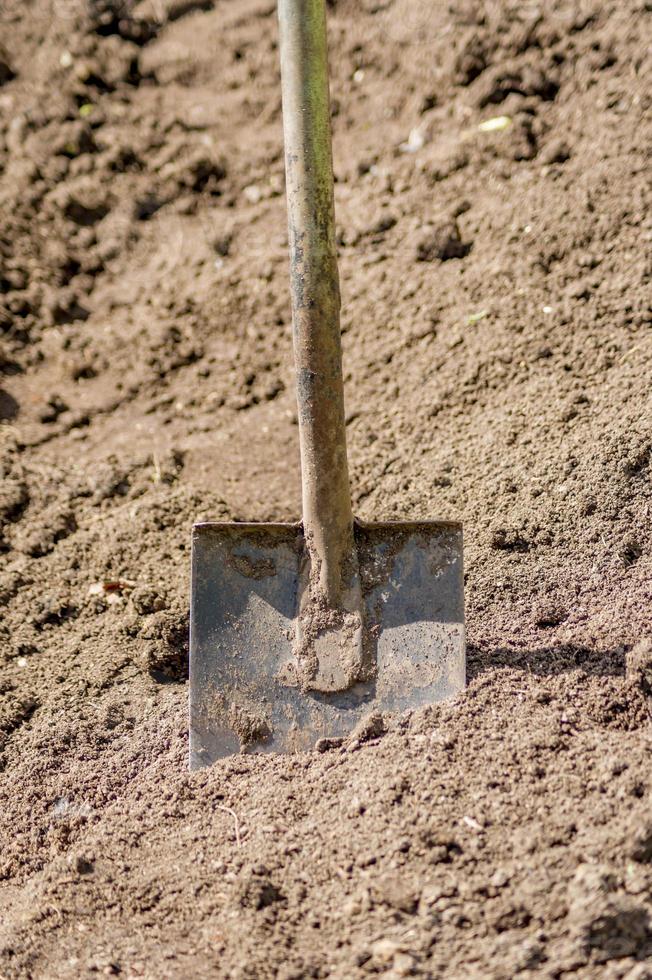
(227, 809)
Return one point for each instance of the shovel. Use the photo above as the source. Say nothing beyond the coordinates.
(300, 631)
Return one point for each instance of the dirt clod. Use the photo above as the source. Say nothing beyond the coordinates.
(639, 665)
(394, 891)
(372, 726)
(550, 614)
(256, 890)
(40, 537)
(147, 600)
(249, 724)
(442, 242)
(557, 151)
(327, 744)
(6, 72)
(641, 846)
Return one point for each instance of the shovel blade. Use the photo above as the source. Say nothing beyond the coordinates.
(244, 600)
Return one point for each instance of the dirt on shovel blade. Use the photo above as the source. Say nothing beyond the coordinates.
(246, 689)
(493, 207)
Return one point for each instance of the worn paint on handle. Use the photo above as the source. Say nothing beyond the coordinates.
(329, 641)
(327, 514)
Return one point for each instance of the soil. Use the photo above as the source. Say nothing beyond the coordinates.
(493, 202)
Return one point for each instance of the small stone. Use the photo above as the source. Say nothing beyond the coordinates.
(500, 878)
(252, 193)
(404, 964)
(383, 951)
(416, 141)
(495, 124)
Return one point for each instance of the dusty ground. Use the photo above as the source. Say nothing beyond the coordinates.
(497, 294)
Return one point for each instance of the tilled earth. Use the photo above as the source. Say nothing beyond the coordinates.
(493, 206)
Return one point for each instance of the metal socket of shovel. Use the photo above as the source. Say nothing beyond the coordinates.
(298, 631)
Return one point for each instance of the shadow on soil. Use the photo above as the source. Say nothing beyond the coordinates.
(9, 407)
(549, 661)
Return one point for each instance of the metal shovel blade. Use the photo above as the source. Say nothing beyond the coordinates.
(244, 599)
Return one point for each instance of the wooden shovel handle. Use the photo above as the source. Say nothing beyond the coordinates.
(327, 515)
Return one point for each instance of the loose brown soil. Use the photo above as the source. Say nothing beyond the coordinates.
(497, 295)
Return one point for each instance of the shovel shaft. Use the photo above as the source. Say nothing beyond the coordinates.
(327, 515)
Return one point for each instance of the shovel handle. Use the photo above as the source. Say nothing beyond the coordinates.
(327, 514)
